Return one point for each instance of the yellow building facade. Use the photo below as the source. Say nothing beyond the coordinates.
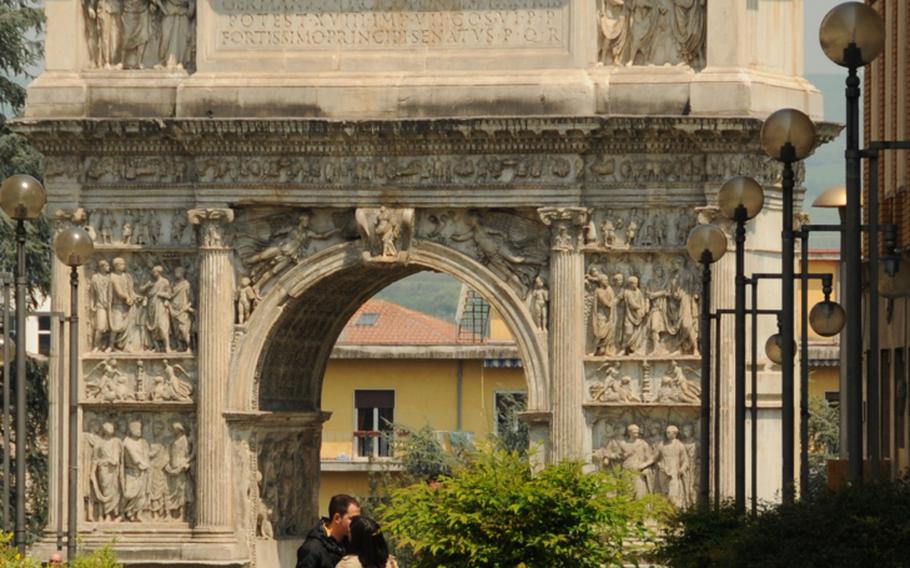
(408, 371)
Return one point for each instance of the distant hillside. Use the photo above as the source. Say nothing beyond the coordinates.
(428, 292)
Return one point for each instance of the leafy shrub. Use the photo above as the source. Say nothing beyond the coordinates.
(101, 558)
(861, 525)
(493, 511)
(9, 556)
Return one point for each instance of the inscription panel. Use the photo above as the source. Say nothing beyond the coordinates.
(354, 25)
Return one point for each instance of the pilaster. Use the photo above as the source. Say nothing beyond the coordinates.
(213, 509)
(567, 331)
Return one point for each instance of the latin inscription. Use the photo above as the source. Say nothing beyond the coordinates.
(389, 24)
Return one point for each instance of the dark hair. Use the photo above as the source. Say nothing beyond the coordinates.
(368, 543)
(339, 504)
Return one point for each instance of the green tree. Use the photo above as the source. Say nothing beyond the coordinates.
(494, 511)
(21, 25)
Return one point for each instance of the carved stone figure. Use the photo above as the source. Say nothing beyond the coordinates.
(181, 310)
(676, 387)
(110, 386)
(136, 29)
(386, 232)
(614, 30)
(174, 45)
(634, 314)
(272, 261)
(109, 31)
(636, 456)
(106, 490)
(688, 440)
(606, 312)
(180, 493)
(246, 300)
(135, 473)
(123, 299)
(105, 228)
(658, 321)
(126, 233)
(89, 439)
(179, 224)
(641, 30)
(100, 306)
(689, 30)
(673, 469)
(157, 487)
(178, 389)
(264, 528)
(491, 246)
(158, 310)
(540, 302)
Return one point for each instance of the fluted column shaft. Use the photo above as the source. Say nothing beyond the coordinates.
(215, 322)
(567, 332)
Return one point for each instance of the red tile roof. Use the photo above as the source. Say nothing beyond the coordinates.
(391, 324)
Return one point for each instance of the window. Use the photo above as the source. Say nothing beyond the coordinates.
(44, 335)
(367, 319)
(374, 413)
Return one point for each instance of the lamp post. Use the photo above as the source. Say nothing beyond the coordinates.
(73, 246)
(9, 353)
(787, 136)
(22, 197)
(706, 245)
(852, 36)
(740, 199)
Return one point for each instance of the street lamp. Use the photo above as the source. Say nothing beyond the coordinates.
(788, 135)
(706, 245)
(73, 246)
(740, 199)
(22, 197)
(9, 353)
(852, 35)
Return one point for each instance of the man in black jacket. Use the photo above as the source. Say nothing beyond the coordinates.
(324, 545)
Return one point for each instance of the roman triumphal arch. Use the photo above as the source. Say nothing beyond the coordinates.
(251, 172)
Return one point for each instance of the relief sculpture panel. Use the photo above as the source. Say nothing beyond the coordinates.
(136, 380)
(139, 34)
(658, 446)
(137, 467)
(652, 32)
(141, 302)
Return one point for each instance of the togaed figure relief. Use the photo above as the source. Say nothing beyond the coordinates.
(634, 327)
(673, 469)
(181, 310)
(136, 476)
(136, 30)
(100, 306)
(125, 307)
(652, 32)
(180, 492)
(635, 455)
(158, 310)
(105, 474)
(174, 44)
(614, 29)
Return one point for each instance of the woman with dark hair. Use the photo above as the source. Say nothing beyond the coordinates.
(367, 548)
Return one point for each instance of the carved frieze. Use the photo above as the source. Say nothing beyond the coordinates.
(280, 485)
(131, 380)
(642, 305)
(652, 32)
(141, 302)
(137, 467)
(513, 246)
(647, 382)
(658, 446)
(140, 228)
(638, 230)
(139, 34)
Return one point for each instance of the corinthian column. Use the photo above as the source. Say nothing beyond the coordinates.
(567, 331)
(216, 285)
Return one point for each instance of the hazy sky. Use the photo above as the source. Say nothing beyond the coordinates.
(816, 62)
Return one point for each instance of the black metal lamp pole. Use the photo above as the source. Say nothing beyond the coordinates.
(7, 357)
(73, 246)
(787, 301)
(706, 244)
(852, 36)
(21, 410)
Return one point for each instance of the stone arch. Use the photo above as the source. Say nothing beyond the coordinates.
(274, 368)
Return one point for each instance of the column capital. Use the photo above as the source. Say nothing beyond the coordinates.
(566, 226)
(212, 223)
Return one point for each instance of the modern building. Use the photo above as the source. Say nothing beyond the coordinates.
(394, 368)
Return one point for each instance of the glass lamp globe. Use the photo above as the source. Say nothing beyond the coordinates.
(73, 246)
(827, 318)
(897, 286)
(12, 350)
(788, 125)
(741, 191)
(708, 238)
(856, 24)
(773, 348)
(22, 197)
